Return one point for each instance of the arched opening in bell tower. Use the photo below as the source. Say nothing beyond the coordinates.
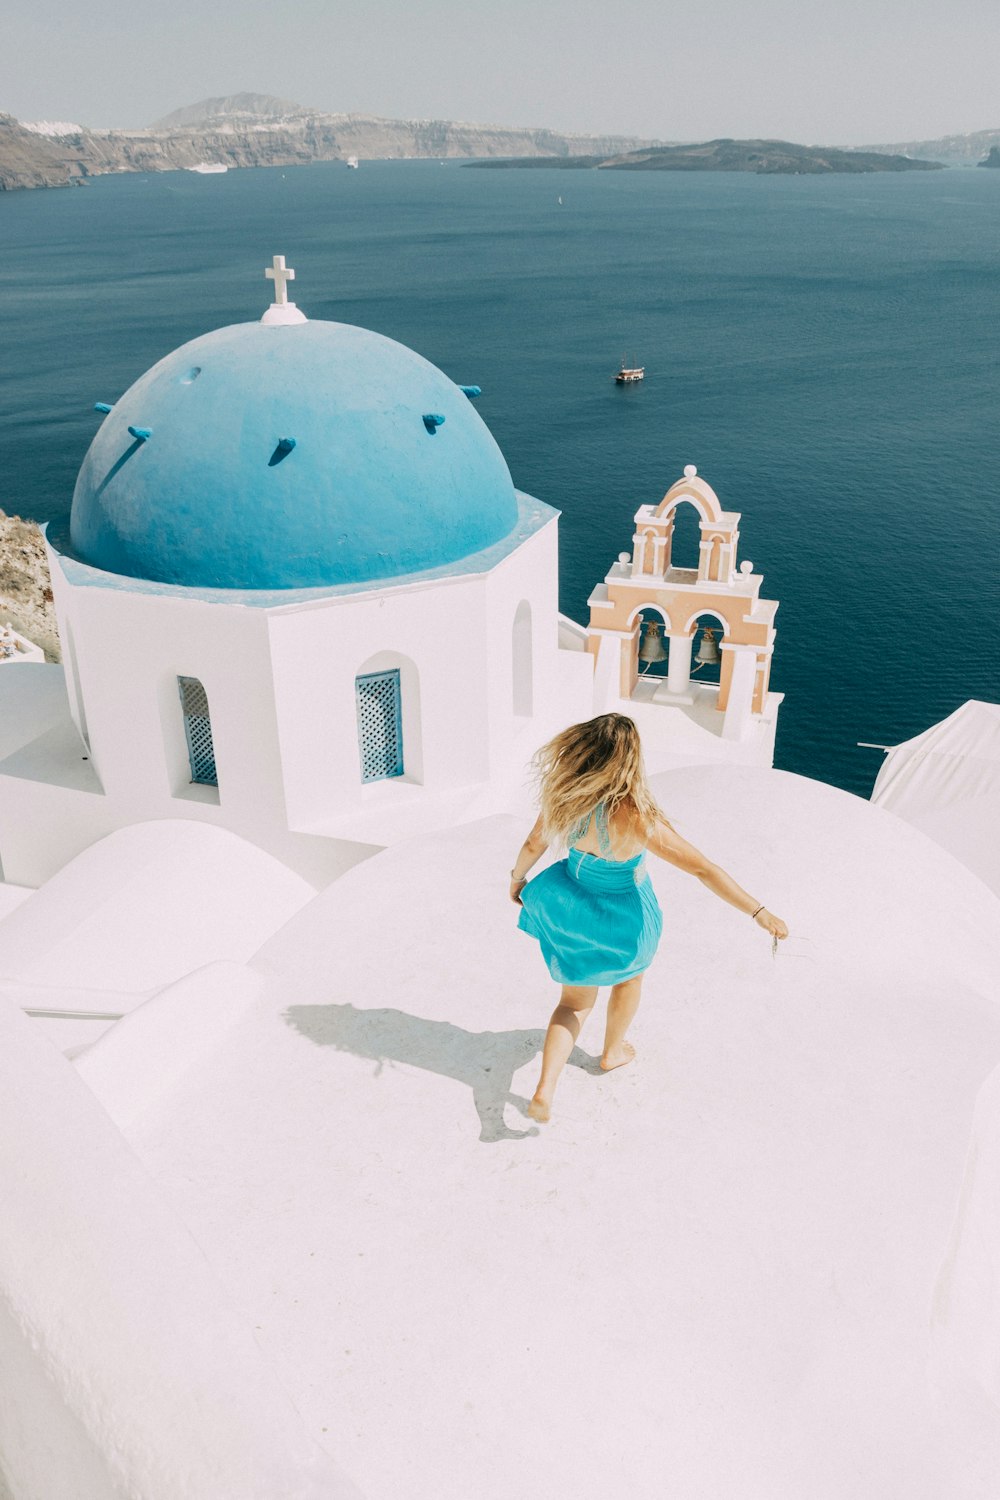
(685, 550)
(652, 646)
(708, 630)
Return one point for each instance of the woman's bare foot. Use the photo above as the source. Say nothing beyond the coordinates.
(539, 1109)
(618, 1057)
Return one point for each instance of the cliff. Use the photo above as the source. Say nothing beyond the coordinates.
(28, 160)
(94, 154)
(952, 150)
(25, 587)
(733, 156)
(244, 130)
(992, 159)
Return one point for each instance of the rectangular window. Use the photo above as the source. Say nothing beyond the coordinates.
(198, 731)
(380, 725)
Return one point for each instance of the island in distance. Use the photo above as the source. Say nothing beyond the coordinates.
(729, 156)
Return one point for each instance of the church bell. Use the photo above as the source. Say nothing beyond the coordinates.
(651, 647)
(707, 654)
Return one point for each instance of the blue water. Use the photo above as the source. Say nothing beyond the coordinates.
(825, 349)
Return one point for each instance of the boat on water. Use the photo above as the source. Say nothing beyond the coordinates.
(352, 161)
(206, 167)
(628, 374)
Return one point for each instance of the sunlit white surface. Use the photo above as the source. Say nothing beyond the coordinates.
(712, 1272)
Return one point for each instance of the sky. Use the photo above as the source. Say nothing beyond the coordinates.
(853, 73)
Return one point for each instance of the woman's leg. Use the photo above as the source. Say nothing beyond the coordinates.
(622, 1006)
(575, 1005)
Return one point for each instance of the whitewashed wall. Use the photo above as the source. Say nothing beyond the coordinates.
(112, 1358)
(475, 652)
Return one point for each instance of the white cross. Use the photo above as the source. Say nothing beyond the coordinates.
(279, 274)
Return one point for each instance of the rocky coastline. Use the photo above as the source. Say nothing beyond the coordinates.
(25, 585)
(27, 159)
(953, 150)
(245, 138)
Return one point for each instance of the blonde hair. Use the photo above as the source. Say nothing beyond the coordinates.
(597, 761)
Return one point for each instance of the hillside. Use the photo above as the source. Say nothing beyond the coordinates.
(952, 150)
(29, 160)
(726, 155)
(255, 130)
(25, 586)
(233, 109)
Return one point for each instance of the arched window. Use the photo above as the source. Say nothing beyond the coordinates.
(198, 731)
(521, 651)
(380, 724)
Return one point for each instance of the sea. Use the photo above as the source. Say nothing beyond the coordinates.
(826, 350)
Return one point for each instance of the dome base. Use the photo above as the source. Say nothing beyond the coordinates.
(283, 313)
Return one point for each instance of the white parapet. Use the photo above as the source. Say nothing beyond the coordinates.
(125, 1370)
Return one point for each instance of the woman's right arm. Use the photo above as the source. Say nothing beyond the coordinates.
(666, 843)
(529, 854)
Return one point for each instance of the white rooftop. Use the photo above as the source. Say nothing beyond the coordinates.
(711, 1275)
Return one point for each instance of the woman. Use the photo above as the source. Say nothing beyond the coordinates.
(594, 913)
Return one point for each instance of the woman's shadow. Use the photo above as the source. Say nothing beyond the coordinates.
(485, 1060)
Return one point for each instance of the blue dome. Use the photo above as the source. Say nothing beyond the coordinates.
(188, 480)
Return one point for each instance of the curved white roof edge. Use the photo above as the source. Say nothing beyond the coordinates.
(140, 1060)
(140, 1373)
(148, 904)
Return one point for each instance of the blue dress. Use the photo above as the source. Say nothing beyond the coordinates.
(596, 919)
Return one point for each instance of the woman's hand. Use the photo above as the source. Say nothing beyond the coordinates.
(770, 923)
(516, 887)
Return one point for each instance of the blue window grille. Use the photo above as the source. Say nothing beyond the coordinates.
(198, 731)
(380, 725)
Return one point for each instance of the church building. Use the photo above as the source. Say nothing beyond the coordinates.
(301, 598)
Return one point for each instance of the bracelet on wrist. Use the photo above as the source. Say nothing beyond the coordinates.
(755, 914)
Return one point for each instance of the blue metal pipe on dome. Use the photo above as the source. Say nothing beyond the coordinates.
(432, 421)
(103, 406)
(472, 391)
(141, 434)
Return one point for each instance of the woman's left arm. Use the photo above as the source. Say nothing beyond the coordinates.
(668, 844)
(528, 855)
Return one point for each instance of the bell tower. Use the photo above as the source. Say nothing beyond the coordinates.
(740, 707)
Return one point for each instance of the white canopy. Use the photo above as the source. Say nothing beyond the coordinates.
(946, 782)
